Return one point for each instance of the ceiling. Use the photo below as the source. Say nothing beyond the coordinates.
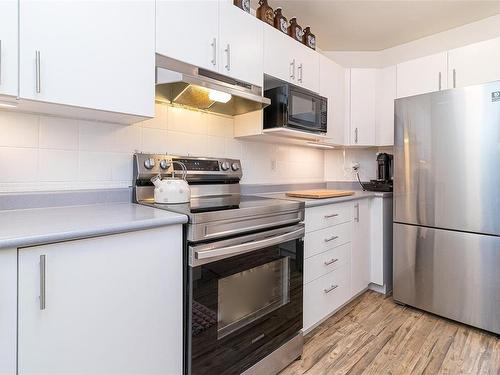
(375, 25)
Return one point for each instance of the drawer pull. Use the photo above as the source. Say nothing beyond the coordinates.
(333, 287)
(331, 261)
(331, 238)
(330, 216)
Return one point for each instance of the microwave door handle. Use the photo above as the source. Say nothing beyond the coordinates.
(248, 246)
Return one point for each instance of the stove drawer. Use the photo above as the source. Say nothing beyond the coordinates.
(326, 216)
(326, 239)
(324, 295)
(321, 264)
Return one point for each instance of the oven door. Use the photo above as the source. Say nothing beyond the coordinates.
(245, 299)
(306, 111)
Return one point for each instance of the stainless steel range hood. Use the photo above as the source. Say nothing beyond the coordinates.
(188, 85)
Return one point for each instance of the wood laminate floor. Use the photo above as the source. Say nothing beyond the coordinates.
(373, 335)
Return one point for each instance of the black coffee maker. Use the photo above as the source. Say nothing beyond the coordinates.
(384, 174)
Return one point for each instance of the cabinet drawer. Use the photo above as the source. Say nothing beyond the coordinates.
(326, 216)
(321, 264)
(325, 294)
(326, 239)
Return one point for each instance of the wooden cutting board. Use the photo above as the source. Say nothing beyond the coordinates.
(319, 194)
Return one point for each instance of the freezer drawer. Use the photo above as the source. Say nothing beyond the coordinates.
(449, 273)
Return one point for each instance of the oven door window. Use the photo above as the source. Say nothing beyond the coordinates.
(303, 111)
(266, 288)
(244, 307)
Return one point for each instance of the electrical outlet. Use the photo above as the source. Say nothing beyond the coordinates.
(273, 165)
(355, 166)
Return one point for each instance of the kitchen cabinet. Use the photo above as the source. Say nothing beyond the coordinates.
(332, 85)
(189, 31)
(218, 36)
(290, 61)
(385, 93)
(97, 55)
(360, 254)
(8, 310)
(362, 107)
(8, 47)
(422, 75)
(110, 304)
(241, 44)
(381, 244)
(474, 64)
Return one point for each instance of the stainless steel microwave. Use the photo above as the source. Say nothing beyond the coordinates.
(296, 108)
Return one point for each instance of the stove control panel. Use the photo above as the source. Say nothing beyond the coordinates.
(198, 168)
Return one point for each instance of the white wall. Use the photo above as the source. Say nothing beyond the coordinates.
(338, 163)
(51, 153)
(484, 29)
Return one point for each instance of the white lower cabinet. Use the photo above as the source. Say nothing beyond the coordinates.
(106, 305)
(360, 255)
(337, 256)
(8, 311)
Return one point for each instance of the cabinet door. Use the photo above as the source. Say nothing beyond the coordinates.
(384, 106)
(307, 67)
(91, 54)
(332, 86)
(8, 47)
(188, 31)
(360, 255)
(241, 44)
(423, 75)
(362, 111)
(474, 64)
(279, 59)
(8, 310)
(113, 305)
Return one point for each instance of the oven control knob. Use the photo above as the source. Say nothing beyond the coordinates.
(164, 164)
(235, 167)
(149, 163)
(224, 166)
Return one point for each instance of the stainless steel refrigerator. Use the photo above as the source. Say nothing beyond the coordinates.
(447, 204)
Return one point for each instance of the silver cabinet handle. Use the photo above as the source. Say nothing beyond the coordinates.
(357, 212)
(331, 238)
(299, 73)
(214, 51)
(331, 261)
(37, 73)
(330, 216)
(292, 69)
(42, 282)
(439, 81)
(228, 53)
(356, 135)
(454, 78)
(328, 290)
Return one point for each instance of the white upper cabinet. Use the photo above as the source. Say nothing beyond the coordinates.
(188, 31)
(90, 54)
(423, 75)
(332, 86)
(241, 44)
(362, 107)
(385, 94)
(8, 47)
(474, 64)
(290, 61)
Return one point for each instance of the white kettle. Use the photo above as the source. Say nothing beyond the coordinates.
(171, 190)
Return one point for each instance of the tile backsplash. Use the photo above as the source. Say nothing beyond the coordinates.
(40, 152)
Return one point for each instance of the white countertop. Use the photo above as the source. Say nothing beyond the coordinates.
(309, 202)
(27, 227)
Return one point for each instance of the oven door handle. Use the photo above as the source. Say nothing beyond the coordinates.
(245, 247)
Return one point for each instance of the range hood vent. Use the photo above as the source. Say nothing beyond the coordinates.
(188, 85)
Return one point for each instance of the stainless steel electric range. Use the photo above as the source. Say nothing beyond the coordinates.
(244, 263)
